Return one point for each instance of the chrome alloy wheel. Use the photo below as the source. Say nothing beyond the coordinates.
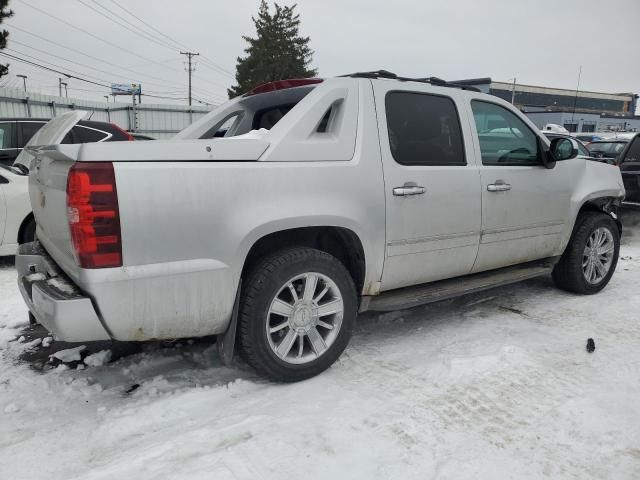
(304, 318)
(598, 255)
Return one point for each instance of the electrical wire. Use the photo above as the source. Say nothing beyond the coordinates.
(123, 25)
(181, 45)
(146, 75)
(69, 24)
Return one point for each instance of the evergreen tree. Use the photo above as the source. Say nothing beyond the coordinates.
(4, 13)
(278, 52)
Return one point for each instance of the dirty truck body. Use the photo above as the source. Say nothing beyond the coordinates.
(320, 166)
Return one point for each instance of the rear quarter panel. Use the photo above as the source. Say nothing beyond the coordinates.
(187, 228)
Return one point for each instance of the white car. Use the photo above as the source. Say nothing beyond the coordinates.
(16, 219)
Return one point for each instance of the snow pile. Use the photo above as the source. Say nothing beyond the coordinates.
(69, 354)
(98, 359)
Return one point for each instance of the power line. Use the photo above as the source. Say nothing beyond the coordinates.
(180, 45)
(130, 52)
(68, 71)
(206, 59)
(52, 69)
(163, 84)
(123, 25)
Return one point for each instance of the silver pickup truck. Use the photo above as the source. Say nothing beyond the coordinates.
(280, 215)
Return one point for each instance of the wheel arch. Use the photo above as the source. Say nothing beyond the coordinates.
(23, 227)
(605, 204)
(343, 243)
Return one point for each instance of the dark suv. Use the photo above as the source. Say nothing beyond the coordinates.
(629, 162)
(16, 132)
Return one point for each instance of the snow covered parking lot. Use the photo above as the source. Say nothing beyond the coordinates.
(492, 385)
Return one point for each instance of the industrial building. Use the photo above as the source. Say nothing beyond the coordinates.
(577, 111)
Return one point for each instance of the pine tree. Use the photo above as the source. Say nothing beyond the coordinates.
(278, 52)
(4, 13)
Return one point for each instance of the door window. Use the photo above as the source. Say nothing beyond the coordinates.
(424, 129)
(6, 135)
(504, 138)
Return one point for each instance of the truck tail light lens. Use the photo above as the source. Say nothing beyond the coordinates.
(93, 215)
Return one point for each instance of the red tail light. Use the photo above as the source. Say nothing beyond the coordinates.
(93, 214)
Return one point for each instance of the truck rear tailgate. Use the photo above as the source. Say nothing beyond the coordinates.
(47, 192)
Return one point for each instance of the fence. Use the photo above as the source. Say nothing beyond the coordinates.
(160, 121)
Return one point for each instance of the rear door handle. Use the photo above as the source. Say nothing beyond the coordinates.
(498, 186)
(409, 188)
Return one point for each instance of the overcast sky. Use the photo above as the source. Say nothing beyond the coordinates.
(538, 42)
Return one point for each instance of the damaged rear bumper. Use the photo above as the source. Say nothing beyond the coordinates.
(55, 301)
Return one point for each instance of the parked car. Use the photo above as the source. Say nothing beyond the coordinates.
(17, 224)
(16, 220)
(629, 162)
(140, 136)
(324, 198)
(610, 149)
(15, 133)
(587, 138)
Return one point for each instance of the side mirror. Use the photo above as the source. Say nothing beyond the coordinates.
(562, 149)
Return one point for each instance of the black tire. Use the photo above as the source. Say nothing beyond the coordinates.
(263, 283)
(568, 273)
(29, 231)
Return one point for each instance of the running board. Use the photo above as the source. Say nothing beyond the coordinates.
(410, 297)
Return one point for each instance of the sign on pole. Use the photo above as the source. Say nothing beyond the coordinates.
(126, 89)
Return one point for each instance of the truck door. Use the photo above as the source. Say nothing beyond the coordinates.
(525, 206)
(432, 185)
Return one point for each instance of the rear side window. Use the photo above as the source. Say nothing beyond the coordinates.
(6, 135)
(87, 135)
(424, 129)
(504, 138)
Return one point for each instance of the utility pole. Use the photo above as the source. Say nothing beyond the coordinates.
(60, 87)
(66, 92)
(513, 92)
(24, 81)
(107, 98)
(190, 68)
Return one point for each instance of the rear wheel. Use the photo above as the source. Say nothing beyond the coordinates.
(591, 256)
(297, 312)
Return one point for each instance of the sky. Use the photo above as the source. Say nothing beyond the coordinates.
(539, 42)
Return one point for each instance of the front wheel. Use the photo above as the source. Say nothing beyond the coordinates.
(297, 311)
(591, 256)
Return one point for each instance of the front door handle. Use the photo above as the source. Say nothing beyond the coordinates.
(409, 188)
(499, 186)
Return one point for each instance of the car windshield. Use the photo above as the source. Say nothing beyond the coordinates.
(608, 149)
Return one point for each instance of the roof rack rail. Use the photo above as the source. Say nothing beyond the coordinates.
(392, 76)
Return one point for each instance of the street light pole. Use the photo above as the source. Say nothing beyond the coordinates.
(24, 81)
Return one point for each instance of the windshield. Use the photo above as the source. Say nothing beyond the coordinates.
(608, 149)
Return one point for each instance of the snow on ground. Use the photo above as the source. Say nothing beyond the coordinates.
(493, 385)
